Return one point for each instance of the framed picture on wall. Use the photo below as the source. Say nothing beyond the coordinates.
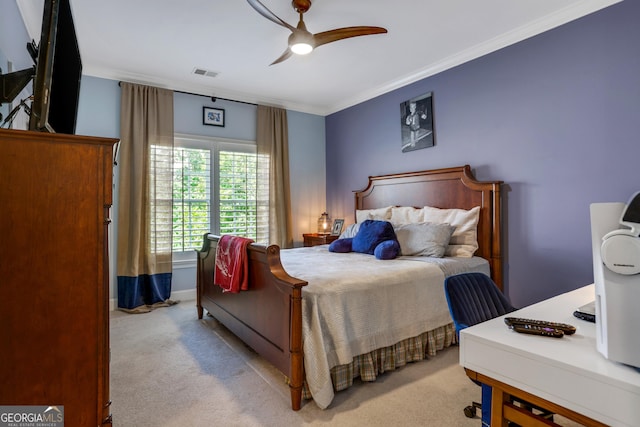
(416, 123)
(213, 116)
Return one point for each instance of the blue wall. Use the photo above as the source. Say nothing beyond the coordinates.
(555, 117)
(98, 108)
(13, 29)
(13, 36)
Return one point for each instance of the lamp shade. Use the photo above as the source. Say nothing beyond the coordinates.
(324, 224)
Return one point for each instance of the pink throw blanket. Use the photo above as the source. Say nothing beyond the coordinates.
(232, 268)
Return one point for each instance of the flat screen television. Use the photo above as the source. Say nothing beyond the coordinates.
(56, 86)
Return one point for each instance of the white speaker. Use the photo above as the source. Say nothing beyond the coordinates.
(620, 248)
(616, 268)
(621, 253)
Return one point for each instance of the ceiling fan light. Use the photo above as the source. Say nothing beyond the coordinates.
(301, 48)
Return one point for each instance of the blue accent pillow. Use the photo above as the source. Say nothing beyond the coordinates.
(341, 245)
(371, 234)
(389, 249)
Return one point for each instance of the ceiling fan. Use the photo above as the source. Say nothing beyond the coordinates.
(301, 41)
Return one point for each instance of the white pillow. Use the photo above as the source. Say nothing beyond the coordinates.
(464, 241)
(423, 239)
(350, 231)
(381, 214)
(406, 215)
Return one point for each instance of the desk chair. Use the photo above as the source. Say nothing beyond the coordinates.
(475, 298)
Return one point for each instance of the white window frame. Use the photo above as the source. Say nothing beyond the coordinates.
(187, 259)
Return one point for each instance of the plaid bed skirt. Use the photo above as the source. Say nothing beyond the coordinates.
(368, 366)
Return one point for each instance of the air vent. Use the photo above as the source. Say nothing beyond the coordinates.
(203, 72)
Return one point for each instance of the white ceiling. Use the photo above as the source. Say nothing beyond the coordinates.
(161, 42)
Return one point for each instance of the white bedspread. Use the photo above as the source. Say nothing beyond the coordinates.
(355, 303)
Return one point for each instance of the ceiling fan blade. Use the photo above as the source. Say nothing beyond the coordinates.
(286, 55)
(262, 10)
(345, 33)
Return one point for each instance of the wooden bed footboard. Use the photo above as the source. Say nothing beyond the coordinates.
(274, 328)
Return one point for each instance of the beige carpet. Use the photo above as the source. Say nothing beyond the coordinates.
(170, 369)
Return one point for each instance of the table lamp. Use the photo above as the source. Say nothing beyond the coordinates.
(324, 224)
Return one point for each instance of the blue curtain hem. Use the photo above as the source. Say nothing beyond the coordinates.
(143, 290)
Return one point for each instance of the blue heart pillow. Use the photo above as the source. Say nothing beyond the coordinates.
(341, 245)
(389, 249)
(371, 234)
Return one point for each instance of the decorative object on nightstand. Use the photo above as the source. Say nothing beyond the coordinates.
(324, 223)
(315, 239)
(336, 228)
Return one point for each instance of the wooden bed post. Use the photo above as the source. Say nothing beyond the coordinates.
(496, 236)
(297, 359)
(201, 278)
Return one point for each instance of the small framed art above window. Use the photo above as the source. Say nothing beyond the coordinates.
(213, 116)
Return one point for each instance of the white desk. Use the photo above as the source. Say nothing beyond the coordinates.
(568, 375)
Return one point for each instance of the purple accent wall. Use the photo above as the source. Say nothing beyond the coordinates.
(555, 117)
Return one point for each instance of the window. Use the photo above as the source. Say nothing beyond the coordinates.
(191, 197)
(238, 194)
(160, 199)
(214, 190)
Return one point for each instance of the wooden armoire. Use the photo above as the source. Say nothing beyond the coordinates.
(55, 199)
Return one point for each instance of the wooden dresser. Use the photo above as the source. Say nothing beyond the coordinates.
(55, 196)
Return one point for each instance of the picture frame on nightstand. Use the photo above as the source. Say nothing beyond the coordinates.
(336, 228)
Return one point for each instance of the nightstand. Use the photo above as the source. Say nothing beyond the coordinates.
(315, 239)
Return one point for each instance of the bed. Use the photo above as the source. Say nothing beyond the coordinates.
(282, 312)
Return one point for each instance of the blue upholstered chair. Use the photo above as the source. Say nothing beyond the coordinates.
(475, 298)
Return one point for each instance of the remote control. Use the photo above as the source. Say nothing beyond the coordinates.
(564, 327)
(537, 330)
(585, 316)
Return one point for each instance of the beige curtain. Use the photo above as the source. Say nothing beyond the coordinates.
(145, 204)
(273, 163)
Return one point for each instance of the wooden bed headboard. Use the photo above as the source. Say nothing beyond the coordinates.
(444, 188)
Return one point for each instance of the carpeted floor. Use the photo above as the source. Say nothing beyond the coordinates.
(170, 369)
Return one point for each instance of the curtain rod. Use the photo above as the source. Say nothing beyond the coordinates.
(213, 98)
